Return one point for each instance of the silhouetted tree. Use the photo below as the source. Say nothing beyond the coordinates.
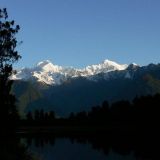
(71, 116)
(46, 116)
(37, 115)
(8, 55)
(29, 116)
(94, 114)
(140, 116)
(105, 112)
(105, 106)
(41, 115)
(51, 115)
(81, 116)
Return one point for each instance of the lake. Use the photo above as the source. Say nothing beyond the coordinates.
(77, 147)
(68, 149)
(83, 147)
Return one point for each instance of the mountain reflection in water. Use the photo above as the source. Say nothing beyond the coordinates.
(86, 147)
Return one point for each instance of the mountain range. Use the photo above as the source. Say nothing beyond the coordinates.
(51, 74)
(67, 89)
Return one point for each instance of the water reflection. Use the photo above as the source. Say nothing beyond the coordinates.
(86, 147)
(12, 149)
(78, 147)
(64, 149)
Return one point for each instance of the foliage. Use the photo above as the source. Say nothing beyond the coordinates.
(8, 56)
(8, 43)
(140, 115)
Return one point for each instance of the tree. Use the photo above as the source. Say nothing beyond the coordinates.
(36, 115)
(8, 56)
(41, 115)
(51, 115)
(29, 116)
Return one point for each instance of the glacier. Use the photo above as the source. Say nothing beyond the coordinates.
(51, 74)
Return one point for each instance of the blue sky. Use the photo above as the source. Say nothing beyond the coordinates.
(82, 32)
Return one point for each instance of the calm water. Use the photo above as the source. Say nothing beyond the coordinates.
(78, 147)
(74, 149)
(64, 149)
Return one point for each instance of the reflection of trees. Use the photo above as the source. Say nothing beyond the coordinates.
(139, 146)
(39, 140)
(123, 126)
(12, 149)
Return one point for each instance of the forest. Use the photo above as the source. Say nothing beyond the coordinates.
(142, 114)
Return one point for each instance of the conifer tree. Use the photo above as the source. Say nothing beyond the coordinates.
(8, 56)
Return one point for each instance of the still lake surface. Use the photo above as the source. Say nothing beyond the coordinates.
(78, 147)
(73, 149)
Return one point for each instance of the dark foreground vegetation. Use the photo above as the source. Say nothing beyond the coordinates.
(10, 146)
(8, 55)
(139, 116)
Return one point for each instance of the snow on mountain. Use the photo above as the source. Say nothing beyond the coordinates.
(47, 66)
(52, 74)
(105, 66)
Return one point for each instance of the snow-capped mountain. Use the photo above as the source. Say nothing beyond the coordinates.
(86, 87)
(52, 74)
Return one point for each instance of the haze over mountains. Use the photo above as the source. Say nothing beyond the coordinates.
(67, 89)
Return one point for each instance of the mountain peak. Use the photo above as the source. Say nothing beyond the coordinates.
(108, 61)
(50, 73)
(135, 64)
(47, 66)
(132, 66)
(114, 65)
(43, 63)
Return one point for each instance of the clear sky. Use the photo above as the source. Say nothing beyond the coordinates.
(82, 32)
